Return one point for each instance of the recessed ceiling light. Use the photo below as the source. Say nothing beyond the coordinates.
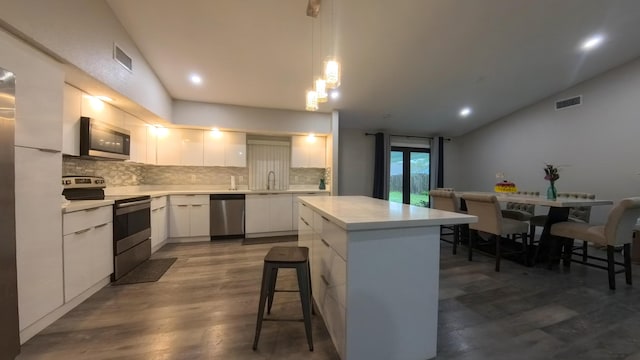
(335, 94)
(464, 112)
(592, 42)
(196, 79)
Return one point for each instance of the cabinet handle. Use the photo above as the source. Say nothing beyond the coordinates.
(324, 280)
(304, 221)
(82, 231)
(49, 151)
(154, 210)
(102, 225)
(325, 219)
(303, 204)
(324, 242)
(183, 205)
(196, 205)
(92, 209)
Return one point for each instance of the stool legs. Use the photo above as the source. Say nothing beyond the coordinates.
(305, 299)
(272, 288)
(266, 272)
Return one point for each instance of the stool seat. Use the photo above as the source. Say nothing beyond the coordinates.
(287, 254)
(285, 257)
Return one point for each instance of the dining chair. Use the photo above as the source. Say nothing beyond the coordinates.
(519, 211)
(616, 232)
(442, 199)
(487, 208)
(579, 214)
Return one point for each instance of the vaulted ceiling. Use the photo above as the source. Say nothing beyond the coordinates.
(408, 65)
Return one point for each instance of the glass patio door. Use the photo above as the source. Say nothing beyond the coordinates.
(409, 176)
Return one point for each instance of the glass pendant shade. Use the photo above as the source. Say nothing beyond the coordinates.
(321, 90)
(312, 101)
(332, 73)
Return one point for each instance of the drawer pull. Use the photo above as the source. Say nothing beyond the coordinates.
(303, 204)
(50, 151)
(304, 221)
(183, 205)
(102, 225)
(82, 231)
(324, 242)
(92, 209)
(324, 280)
(154, 210)
(325, 219)
(198, 205)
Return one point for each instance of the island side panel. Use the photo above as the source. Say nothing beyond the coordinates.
(392, 293)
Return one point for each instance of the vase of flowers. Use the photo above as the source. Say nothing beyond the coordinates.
(551, 175)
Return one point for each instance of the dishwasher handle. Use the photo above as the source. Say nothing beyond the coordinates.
(226, 197)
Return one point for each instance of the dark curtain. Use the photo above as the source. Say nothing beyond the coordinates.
(379, 168)
(440, 171)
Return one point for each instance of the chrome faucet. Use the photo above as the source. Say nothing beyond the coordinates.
(269, 186)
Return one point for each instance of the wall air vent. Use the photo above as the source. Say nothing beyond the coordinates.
(120, 56)
(574, 101)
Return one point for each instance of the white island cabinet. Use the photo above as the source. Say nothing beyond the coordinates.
(374, 273)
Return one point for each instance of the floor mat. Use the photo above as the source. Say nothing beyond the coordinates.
(149, 271)
(269, 240)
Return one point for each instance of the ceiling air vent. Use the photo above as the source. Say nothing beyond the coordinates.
(574, 101)
(120, 56)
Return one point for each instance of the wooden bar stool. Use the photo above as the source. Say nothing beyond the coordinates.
(285, 257)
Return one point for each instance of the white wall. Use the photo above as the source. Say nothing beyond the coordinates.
(597, 144)
(356, 160)
(242, 118)
(82, 33)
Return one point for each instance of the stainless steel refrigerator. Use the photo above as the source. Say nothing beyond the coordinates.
(9, 329)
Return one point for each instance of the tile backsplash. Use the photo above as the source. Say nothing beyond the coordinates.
(120, 173)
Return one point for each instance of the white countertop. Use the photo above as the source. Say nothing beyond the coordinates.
(365, 213)
(542, 201)
(162, 190)
(77, 205)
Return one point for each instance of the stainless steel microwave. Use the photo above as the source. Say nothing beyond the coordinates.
(101, 140)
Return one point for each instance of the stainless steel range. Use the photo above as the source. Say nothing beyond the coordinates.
(131, 233)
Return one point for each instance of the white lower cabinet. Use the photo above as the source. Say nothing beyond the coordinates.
(88, 249)
(295, 205)
(159, 222)
(38, 233)
(189, 216)
(328, 270)
(267, 213)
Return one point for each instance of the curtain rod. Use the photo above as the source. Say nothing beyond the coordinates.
(411, 136)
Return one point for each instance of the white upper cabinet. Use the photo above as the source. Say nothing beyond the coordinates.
(308, 152)
(97, 109)
(225, 149)
(138, 144)
(72, 110)
(168, 146)
(191, 147)
(39, 94)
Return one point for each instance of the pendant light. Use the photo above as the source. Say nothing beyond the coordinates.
(321, 90)
(331, 66)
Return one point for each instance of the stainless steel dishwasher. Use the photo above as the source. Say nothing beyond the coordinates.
(227, 216)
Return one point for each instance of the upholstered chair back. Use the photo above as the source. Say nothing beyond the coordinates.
(444, 200)
(528, 208)
(578, 213)
(622, 219)
(487, 208)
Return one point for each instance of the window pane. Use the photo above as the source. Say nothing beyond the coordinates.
(395, 177)
(419, 180)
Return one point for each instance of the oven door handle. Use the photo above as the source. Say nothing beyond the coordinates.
(133, 203)
(126, 208)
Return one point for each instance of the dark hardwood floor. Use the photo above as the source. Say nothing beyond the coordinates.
(205, 307)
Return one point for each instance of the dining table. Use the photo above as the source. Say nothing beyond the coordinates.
(558, 212)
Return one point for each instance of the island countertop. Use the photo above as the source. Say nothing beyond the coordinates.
(365, 213)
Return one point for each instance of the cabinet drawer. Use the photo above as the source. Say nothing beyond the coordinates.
(335, 236)
(337, 279)
(189, 199)
(85, 219)
(306, 213)
(158, 202)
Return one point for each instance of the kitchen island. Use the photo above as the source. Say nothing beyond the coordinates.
(374, 271)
